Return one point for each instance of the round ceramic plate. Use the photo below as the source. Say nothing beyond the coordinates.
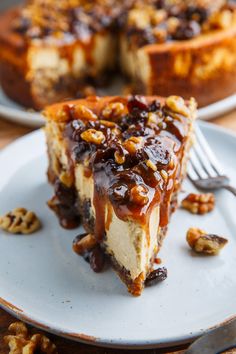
(45, 283)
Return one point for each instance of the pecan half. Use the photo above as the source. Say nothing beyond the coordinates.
(177, 105)
(201, 242)
(20, 221)
(199, 203)
(139, 195)
(84, 243)
(93, 136)
(113, 109)
(82, 112)
(133, 144)
(21, 342)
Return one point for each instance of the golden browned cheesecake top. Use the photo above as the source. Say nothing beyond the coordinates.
(133, 147)
(80, 18)
(174, 20)
(144, 22)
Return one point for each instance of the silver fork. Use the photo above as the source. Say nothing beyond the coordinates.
(204, 170)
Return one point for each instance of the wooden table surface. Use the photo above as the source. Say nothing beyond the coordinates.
(11, 131)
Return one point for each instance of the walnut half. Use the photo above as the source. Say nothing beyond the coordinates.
(199, 203)
(20, 221)
(201, 242)
(21, 342)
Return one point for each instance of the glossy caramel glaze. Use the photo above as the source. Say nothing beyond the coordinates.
(132, 147)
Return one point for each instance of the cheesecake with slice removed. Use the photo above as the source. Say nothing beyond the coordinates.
(117, 165)
(55, 50)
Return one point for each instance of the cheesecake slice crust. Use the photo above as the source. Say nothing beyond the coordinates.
(118, 163)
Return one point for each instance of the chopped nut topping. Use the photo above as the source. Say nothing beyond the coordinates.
(202, 242)
(116, 131)
(164, 175)
(177, 105)
(93, 136)
(172, 24)
(221, 20)
(84, 243)
(158, 16)
(20, 221)
(152, 119)
(160, 34)
(139, 18)
(119, 158)
(82, 112)
(172, 163)
(20, 342)
(133, 144)
(151, 165)
(66, 178)
(108, 124)
(139, 195)
(114, 109)
(63, 114)
(199, 203)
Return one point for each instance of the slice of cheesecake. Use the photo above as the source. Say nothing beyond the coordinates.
(118, 163)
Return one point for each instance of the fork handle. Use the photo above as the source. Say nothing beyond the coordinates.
(231, 189)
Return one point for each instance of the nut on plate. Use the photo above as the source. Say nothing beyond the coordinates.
(199, 203)
(20, 221)
(201, 242)
(21, 342)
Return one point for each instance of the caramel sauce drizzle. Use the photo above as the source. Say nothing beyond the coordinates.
(132, 188)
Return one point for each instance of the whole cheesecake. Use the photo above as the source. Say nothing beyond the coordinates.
(117, 165)
(54, 50)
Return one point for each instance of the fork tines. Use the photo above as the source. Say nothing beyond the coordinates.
(203, 163)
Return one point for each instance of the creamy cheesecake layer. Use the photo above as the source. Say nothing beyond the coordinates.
(126, 241)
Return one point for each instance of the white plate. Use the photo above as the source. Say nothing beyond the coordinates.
(44, 283)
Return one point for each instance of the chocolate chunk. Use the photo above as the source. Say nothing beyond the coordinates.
(137, 103)
(78, 238)
(156, 276)
(97, 259)
(120, 193)
(64, 194)
(199, 14)
(187, 30)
